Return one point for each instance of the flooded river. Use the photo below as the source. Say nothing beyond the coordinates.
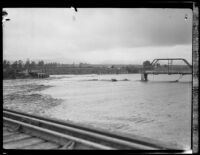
(159, 109)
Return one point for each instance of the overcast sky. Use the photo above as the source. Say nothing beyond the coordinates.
(100, 35)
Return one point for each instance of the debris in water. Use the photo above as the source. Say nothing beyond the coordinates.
(113, 80)
(125, 80)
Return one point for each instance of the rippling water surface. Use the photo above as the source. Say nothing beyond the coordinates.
(159, 108)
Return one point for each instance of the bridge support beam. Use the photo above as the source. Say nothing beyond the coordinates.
(144, 77)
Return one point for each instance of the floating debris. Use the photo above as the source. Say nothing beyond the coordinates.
(113, 80)
(125, 80)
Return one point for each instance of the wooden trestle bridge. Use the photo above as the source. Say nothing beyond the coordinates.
(155, 68)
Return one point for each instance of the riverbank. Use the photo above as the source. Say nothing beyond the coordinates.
(27, 98)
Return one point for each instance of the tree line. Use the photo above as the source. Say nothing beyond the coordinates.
(19, 65)
(12, 69)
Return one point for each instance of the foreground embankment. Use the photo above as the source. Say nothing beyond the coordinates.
(27, 98)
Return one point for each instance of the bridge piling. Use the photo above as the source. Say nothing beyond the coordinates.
(144, 77)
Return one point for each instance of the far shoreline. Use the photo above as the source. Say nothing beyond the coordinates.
(65, 74)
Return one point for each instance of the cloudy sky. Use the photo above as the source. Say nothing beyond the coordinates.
(100, 35)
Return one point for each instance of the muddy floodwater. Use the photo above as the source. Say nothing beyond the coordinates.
(159, 109)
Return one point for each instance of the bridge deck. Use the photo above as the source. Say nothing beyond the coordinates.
(166, 72)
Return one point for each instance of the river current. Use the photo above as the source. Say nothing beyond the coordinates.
(158, 109)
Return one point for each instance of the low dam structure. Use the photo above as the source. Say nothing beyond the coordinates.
(39, 75)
